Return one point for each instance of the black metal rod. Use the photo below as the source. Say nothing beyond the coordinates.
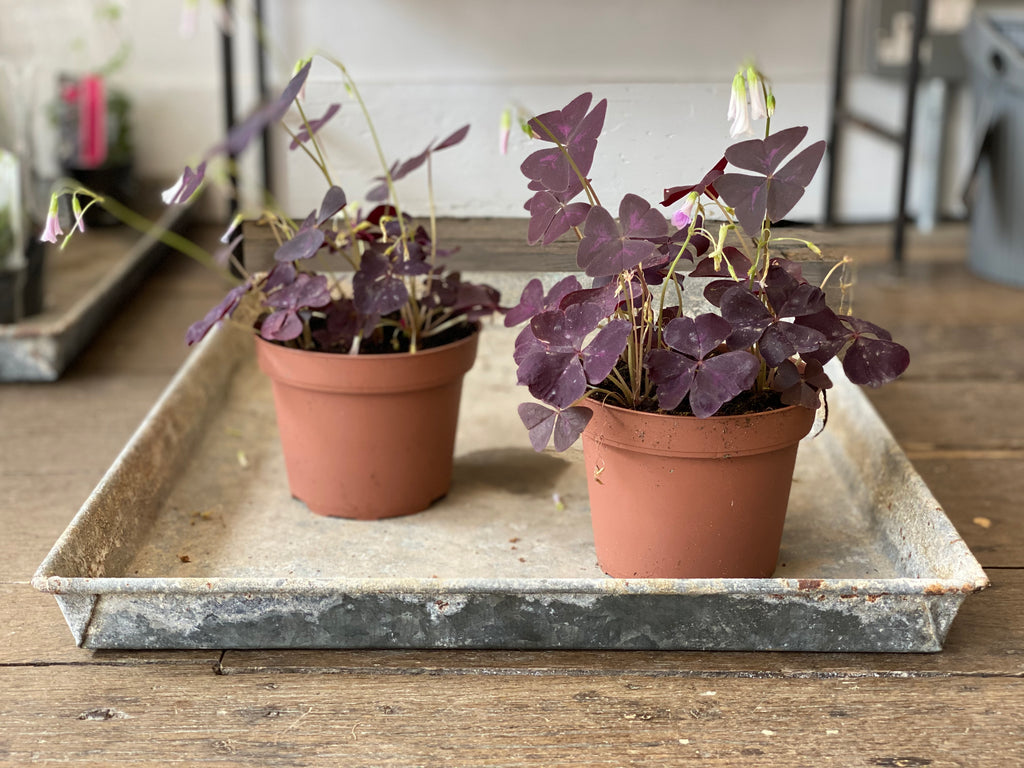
(838, 112)
(920, 11)
(228, 76)
(261, 83)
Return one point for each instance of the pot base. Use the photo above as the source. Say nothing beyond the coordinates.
(680, 497)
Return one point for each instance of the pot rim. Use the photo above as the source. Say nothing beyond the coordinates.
(690, 436)
(372, 356)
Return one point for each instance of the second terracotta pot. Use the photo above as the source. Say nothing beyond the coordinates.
(368, 436)
(682, 497)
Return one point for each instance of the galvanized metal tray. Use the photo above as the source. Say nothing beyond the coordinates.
(191, 540)
(84, 285)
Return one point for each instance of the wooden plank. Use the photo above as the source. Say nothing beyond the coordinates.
(129, 715)
(951, 415)
(33, 633)
(982, 496)
(987, 638)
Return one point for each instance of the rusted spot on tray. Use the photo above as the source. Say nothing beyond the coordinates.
(872, 598)
(805, 585)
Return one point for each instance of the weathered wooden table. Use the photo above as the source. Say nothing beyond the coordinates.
(956, 414)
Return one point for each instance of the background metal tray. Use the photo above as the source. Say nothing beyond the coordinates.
(191, 540)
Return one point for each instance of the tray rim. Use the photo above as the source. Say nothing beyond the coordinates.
(968, 574)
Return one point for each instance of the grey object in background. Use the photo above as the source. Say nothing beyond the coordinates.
(994, 45)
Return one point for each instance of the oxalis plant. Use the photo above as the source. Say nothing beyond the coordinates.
(400, 298)
(624, 339)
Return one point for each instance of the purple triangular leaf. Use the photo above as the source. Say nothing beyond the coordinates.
(697, 337)
(719, 379)
(304, 245)
(748, 195)
(453, 139)
(672, 375)
(334, 200)
(764, 156)
(227, 305)
(282, 325)
(601, 354)
(303, 134)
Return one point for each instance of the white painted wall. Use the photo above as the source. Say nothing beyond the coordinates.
(427, 67)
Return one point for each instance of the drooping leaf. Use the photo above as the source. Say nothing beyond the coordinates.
(224, 308)
(674, 194)
(541, 421)
(456, 137)
(303, 134)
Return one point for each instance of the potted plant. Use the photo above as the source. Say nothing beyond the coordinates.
(690, 417)
(366, 371)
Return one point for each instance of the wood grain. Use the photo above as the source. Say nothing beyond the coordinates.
(961, 707)
(117, 716)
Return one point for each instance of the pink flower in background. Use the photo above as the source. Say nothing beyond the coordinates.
(686, 212)
(505, 130)
(52, 230)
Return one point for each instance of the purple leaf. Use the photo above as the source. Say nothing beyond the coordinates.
(874, 362)
(764, 156)
(557, 378)
(227, 305)
(550, 218)
(747, 316)
(341, 324)
(242, 134)
(453, 139)
(781, 340)
(719, 379)
(567, 425)
(282, 325)
(697, 337)
(609, 247)
(601, 354)
(566, 329)
(303, 134)
(305, 291)
(773, 193)
(533, 300)
(673, 194)
(304, 245)
(672, 375)
(334, 200)
(801, 388)
(575, 132)
(376, 290)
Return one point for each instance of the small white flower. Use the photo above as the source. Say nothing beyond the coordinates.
(172, 192)
(756, 87)
(738, 112)
(235, 222)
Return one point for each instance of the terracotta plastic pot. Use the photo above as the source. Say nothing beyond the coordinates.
(367, 436)
(682, 497)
